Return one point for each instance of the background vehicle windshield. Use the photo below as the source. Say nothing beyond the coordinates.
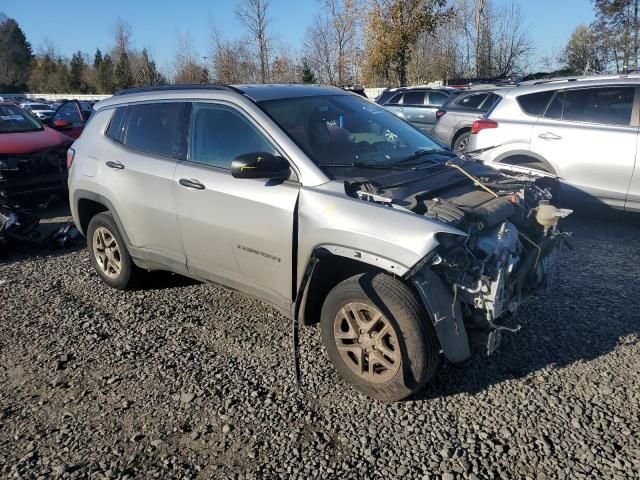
(14, 119)
(346, 129)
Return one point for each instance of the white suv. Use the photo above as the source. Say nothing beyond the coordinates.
(583, 131)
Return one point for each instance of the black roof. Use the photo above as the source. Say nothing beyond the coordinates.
(257, 92)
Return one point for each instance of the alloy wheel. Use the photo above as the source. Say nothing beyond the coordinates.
(367, 342)
(107, 252)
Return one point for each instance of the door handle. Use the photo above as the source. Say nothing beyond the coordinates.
(115, 165)
(549, 136)
(191, 183)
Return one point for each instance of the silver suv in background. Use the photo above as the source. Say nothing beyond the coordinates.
(323, 204)
(454, 118)
(582, 131)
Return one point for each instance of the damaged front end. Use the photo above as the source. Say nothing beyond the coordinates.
(472, 284)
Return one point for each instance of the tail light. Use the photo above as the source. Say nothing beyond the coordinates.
(71, 153)
(482, 124)
(440, 114)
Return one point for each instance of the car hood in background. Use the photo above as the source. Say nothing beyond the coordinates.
(30, 142)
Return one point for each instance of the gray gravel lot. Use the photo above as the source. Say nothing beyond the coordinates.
(186, 380)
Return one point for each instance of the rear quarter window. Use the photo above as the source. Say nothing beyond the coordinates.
(116, 125)
(534, 103)
(471, 101)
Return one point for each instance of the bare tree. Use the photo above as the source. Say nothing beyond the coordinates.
(320, 50)
(343, 15)
(122, 34)
(232, 62)
(254, 16)
(186, 64)
(511, 43)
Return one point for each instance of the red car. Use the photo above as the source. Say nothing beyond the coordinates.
(32, 156)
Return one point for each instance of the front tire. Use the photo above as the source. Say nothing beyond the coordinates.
(109, 254)
(379, 337)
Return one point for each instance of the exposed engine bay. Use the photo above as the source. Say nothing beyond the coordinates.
(511, 245)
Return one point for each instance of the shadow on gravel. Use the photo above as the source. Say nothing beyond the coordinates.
(163, 280)
(592, 309)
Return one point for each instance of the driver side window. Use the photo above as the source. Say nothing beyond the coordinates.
(220, 133)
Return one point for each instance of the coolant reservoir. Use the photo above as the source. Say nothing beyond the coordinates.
(548, 215)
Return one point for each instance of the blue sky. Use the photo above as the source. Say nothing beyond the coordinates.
(87, 24)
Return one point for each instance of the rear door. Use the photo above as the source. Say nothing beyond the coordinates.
(589, 136)
(238, 232)
(414, 109)
(434, 101)
(136, 175)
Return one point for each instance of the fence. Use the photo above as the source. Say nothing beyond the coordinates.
(54, 96)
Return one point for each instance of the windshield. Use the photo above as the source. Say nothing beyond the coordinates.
(14, 119)
(37, 106)
(348, 130)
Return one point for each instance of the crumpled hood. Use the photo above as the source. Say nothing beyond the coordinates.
(31, 142)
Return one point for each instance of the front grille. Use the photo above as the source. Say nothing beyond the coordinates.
(26, 173)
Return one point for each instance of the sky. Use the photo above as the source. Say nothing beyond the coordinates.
(88, 24)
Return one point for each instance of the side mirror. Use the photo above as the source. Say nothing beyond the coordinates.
(61, 124)
(260, 165)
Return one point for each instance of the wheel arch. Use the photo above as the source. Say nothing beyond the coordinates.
(459, 133)
(526, 158)
(323, 272)
(87, 204)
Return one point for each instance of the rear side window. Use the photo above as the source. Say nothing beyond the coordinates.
(396, 99)
(155, 128)
(219, 134)
(413, 98)
(555, 107)
(535, 103)
(437, 99)
(491, 100)
(471, 101)
(116, 126)
(609, 106)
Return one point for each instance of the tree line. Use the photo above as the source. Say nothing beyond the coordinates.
(369, 42)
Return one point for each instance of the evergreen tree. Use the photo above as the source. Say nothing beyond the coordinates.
(104, 76)
(97, 59)
(122, 77)
(76, 70)
(307, 75)
(146, 72)
(15, 57)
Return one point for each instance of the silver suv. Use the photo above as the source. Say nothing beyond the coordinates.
(582, 131)
(323, 204)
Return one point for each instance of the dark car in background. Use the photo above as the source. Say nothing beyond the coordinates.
(32, 156)
(455, 118)
(418, 106)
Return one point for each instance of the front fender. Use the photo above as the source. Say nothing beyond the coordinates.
(389, 238)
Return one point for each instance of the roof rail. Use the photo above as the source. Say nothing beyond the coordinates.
(160, 88)
(580, 78)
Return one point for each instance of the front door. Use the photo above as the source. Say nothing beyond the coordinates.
(237, 232)
(589, 137)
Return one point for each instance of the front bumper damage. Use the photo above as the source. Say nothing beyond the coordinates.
(472, 287)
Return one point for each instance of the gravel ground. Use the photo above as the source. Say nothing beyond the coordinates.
(186, 380)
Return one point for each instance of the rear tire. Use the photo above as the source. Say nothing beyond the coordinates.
(109, 254)
(378, 336)
(461, 144)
